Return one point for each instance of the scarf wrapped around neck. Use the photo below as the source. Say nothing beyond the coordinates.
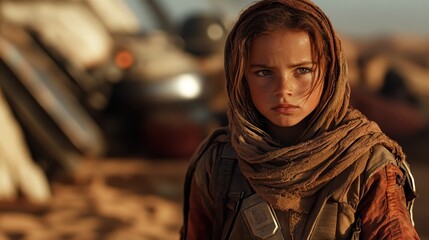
(337, 137)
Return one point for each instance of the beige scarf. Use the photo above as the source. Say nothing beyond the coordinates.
(338, 137)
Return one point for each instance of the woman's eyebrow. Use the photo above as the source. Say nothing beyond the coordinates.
(293, 65)
(256, 65)
(303, 63)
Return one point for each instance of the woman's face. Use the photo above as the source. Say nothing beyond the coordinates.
(280, 72)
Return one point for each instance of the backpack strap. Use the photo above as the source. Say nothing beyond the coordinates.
(230, 188)
(222, 173)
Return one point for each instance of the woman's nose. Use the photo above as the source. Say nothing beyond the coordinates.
(283, 86)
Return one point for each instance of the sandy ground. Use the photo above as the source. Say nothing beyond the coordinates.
(111, 199)
(138, 199)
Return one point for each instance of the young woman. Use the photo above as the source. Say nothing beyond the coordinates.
(296, 160)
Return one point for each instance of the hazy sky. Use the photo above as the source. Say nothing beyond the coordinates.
(363, 17)
(352, 17)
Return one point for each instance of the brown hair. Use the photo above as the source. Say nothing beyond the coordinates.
(266, 17)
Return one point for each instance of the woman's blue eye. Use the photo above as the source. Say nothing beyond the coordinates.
(303, 70)
(263, 73)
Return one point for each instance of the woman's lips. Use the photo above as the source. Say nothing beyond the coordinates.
(285, 109)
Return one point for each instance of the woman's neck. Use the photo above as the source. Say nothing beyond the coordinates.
(286, 136)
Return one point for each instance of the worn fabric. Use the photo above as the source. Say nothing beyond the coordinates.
(336, 137)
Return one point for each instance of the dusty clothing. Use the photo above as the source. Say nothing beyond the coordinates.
(379, 204)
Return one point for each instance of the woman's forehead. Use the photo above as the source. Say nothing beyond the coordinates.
(291, 44)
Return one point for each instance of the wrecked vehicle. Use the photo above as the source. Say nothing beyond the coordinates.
(88, 88)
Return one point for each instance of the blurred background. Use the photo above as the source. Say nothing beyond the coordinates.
(103, 102)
